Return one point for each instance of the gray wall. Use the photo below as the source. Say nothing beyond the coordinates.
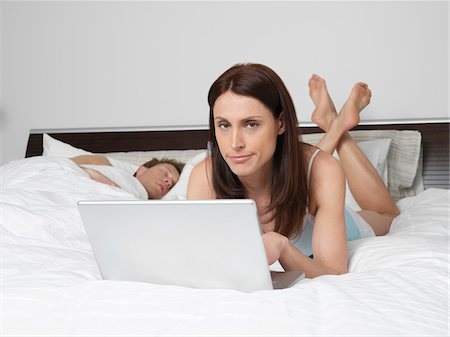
(108, 64)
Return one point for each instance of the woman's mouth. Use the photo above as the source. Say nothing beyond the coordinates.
(240, 159)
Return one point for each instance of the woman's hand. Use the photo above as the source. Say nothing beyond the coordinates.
(275, 244)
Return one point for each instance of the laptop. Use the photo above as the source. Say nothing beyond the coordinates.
(191, 243)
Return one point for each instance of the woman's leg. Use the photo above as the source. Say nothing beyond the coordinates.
(378, 208)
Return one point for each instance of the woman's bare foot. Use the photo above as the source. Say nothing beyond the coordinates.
(339, 124)
(325, 112)
(359, 98)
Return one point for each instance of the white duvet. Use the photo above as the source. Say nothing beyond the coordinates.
(50, 284)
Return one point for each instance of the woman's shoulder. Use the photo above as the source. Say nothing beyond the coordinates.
(203, 167)
(200, 181)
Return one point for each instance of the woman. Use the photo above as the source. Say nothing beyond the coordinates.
(256, 154)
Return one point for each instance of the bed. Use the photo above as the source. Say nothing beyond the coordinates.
(51, 286)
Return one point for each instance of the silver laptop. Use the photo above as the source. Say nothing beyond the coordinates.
(199, 244)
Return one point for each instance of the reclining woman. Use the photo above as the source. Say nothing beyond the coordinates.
(256, 154)
(157, 176)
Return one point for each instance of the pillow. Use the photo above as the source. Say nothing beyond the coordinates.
(179, 191)
(403, 159)
(140, 157)
(404, 163)
(56, 148)
(376, 151)
(417, 186)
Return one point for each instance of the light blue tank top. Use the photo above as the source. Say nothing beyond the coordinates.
(303, 241)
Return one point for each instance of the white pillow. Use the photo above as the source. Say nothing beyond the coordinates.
(56, 148)
(376, 151)
(139, 157)
(179, 191)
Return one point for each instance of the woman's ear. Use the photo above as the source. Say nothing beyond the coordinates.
(281, 124)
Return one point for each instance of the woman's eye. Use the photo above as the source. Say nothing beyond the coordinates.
(252, 125)
(223, 125)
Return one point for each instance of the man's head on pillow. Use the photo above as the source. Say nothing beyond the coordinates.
(158, 176)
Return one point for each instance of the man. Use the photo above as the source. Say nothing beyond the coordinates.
(157, 176)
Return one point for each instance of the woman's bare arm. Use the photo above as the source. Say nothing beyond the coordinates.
(329, 241)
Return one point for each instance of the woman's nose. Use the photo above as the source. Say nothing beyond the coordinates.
(236, 142)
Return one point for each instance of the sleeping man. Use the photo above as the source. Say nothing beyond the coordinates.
(151, 180)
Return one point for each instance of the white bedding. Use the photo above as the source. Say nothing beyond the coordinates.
(50, 284)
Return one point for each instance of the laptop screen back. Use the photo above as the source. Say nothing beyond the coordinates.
(200, 244)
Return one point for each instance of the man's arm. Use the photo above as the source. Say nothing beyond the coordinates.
(97, 176)
(91, 159)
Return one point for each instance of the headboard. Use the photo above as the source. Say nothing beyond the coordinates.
(435, 142)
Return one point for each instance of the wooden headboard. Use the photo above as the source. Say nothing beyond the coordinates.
(435, 142)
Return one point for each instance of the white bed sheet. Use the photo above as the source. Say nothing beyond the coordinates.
(50, 284)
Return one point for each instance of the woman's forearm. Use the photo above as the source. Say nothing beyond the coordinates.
(293, 259)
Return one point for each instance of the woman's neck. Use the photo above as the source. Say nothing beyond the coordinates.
(259, 183)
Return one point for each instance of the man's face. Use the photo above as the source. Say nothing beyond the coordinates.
(157, 180)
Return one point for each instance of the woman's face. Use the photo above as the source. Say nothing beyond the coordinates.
(246, 132)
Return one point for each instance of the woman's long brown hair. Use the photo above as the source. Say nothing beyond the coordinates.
(289, 183)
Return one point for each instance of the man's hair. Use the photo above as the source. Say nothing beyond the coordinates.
(177, 164)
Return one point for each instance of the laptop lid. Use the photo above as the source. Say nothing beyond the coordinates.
(198, 243)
